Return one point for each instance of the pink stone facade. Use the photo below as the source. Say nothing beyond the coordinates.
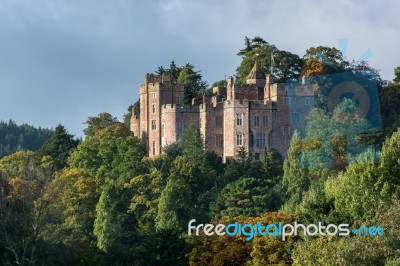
(259, 115)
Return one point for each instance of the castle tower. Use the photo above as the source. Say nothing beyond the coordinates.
(229, 88)
(154, 93)
(256, 76)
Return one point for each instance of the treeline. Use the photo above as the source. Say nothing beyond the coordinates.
(15, 137)
(102, 201)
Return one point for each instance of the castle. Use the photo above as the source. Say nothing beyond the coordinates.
(259, 115)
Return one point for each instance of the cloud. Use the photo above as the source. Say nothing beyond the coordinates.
(62, 61)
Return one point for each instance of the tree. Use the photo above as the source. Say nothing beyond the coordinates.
(323, 60)
(69, 234)
(283, 64)
(112, 156)
(248, 196)
(59, 146)
(191, 81)
(188, 77)
(175, 205)
(229, 250)
(390, 159)
(389, 96)
(15, 137)
(270, 164)
(147, 191)
(95, 123)
(296, 181)
(262, 55)
(135, 108)
(173, 71)
(114, 226)
(337, 133)
(396, 79)
(24, 177)
(251, 44)
(221, 83)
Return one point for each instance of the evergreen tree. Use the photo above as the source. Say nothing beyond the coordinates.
(59, 146)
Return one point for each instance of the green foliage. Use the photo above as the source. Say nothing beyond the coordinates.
(112, 155)
(251, 44)
(390, 158)
(114, 206)
(389, 97)
(59, 146)
(15, 137)
(338, 134)
(95, 123)
(186, 76)
(247, 196)
(114, 226)
(145, 200)
(71, 218)
(175, 205)
(136, 110)
(351, 250)
(262, 55)
(323, 60)
(191, 81)
(226, 250)
(396, 79)
(285, 65)
(221, 83)
(173, 71)
(296, 180)
(316, 207)
(23, 208)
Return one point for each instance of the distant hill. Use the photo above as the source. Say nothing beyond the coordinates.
(15, 137)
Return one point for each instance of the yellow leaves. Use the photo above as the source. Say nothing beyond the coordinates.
(21, 189)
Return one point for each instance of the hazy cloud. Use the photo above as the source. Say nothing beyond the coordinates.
(62, 61)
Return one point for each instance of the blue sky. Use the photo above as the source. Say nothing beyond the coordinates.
(63, 61)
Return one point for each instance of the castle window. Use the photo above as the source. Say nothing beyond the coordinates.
(265, 121)
(162, 130)
(154, 108)
(239, 119)
(294, 117)
(287, 142)
(286, 130)
(219, 140)
(256, 121)
(239, 139)
(179, 130)
(286, 100)
(178, 100)
(257, 156)
(154, 148)
(260, 138)
(153, 125)
(218, 121)
(269, 139)
(154, 95)
(307, 101)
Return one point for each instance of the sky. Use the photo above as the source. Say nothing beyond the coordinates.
(63, 61)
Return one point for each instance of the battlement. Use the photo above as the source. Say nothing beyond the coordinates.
(152, 78)
(179, 108)
(245, 91)
(231, 115)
